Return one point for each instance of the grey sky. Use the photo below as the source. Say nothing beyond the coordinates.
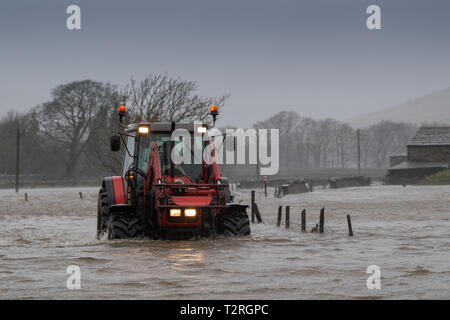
(314, 57)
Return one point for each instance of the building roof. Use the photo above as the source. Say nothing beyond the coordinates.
(419, 165)
(398, 155)
(431, 136)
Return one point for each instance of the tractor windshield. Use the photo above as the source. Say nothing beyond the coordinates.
(191, 169)
(129, 152)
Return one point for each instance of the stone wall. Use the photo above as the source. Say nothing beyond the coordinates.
(409, 176)
(429, 153)
(397, 159)
(359, 181)
(295, 187)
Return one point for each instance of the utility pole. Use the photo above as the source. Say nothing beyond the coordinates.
(17, 157)
(359, 151)
(257, 155)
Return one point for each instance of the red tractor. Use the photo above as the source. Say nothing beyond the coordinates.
(157, 198)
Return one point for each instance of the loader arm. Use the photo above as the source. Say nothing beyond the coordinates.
(153, 172)
(211, 171)
(154, 175)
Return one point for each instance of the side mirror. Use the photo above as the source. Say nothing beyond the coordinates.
(115, 143)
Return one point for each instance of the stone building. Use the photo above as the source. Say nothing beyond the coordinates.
(427, 153)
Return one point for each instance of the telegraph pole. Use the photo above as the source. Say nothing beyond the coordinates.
(257, 155)
(17, 157)
(359, 151)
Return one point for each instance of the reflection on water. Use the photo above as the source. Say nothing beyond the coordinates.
(183, 258)
(402, 230)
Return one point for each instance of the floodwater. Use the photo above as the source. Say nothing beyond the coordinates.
(402, 230)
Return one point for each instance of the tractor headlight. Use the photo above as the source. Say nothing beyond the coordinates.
(190, 212)
(175, 212)
(201, 129)
(143, 130)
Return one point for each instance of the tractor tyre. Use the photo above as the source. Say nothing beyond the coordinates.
(102, 212)
(123, 226)
(236, 224)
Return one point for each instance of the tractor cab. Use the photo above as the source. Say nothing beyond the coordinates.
(140, 138)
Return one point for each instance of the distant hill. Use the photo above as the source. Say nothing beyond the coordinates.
(429, 109)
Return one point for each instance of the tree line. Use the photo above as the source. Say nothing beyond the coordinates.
(68, 136)
(328, 143)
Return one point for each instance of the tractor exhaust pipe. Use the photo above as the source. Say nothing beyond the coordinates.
(172, 144)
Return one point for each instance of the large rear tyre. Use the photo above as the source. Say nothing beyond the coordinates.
(102, 212)
(124, 226)
(236, 223)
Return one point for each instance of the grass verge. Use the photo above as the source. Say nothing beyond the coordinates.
(440, 178)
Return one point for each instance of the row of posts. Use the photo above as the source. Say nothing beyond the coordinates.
(79, 194)
(257, 214)
(318, 228)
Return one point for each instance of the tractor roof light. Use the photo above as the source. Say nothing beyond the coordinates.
(143, 130)
(214, 112)
(122, 112)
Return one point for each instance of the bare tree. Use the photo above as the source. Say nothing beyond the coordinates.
(388, 137)
(286, 122)
(156, 98)
(8, 126)
(105, 124)
(68, 118)
(161, 98)
(345, 144)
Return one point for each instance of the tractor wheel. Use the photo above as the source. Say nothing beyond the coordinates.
(102, 212)
(236, 224)
(122, 226)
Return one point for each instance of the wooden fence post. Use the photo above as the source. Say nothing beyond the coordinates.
(349, 222)
(288, 213)
(322, 220)
(280, 208)
(265, 188)
(303, 220)
(253, 206)
(257, 213)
